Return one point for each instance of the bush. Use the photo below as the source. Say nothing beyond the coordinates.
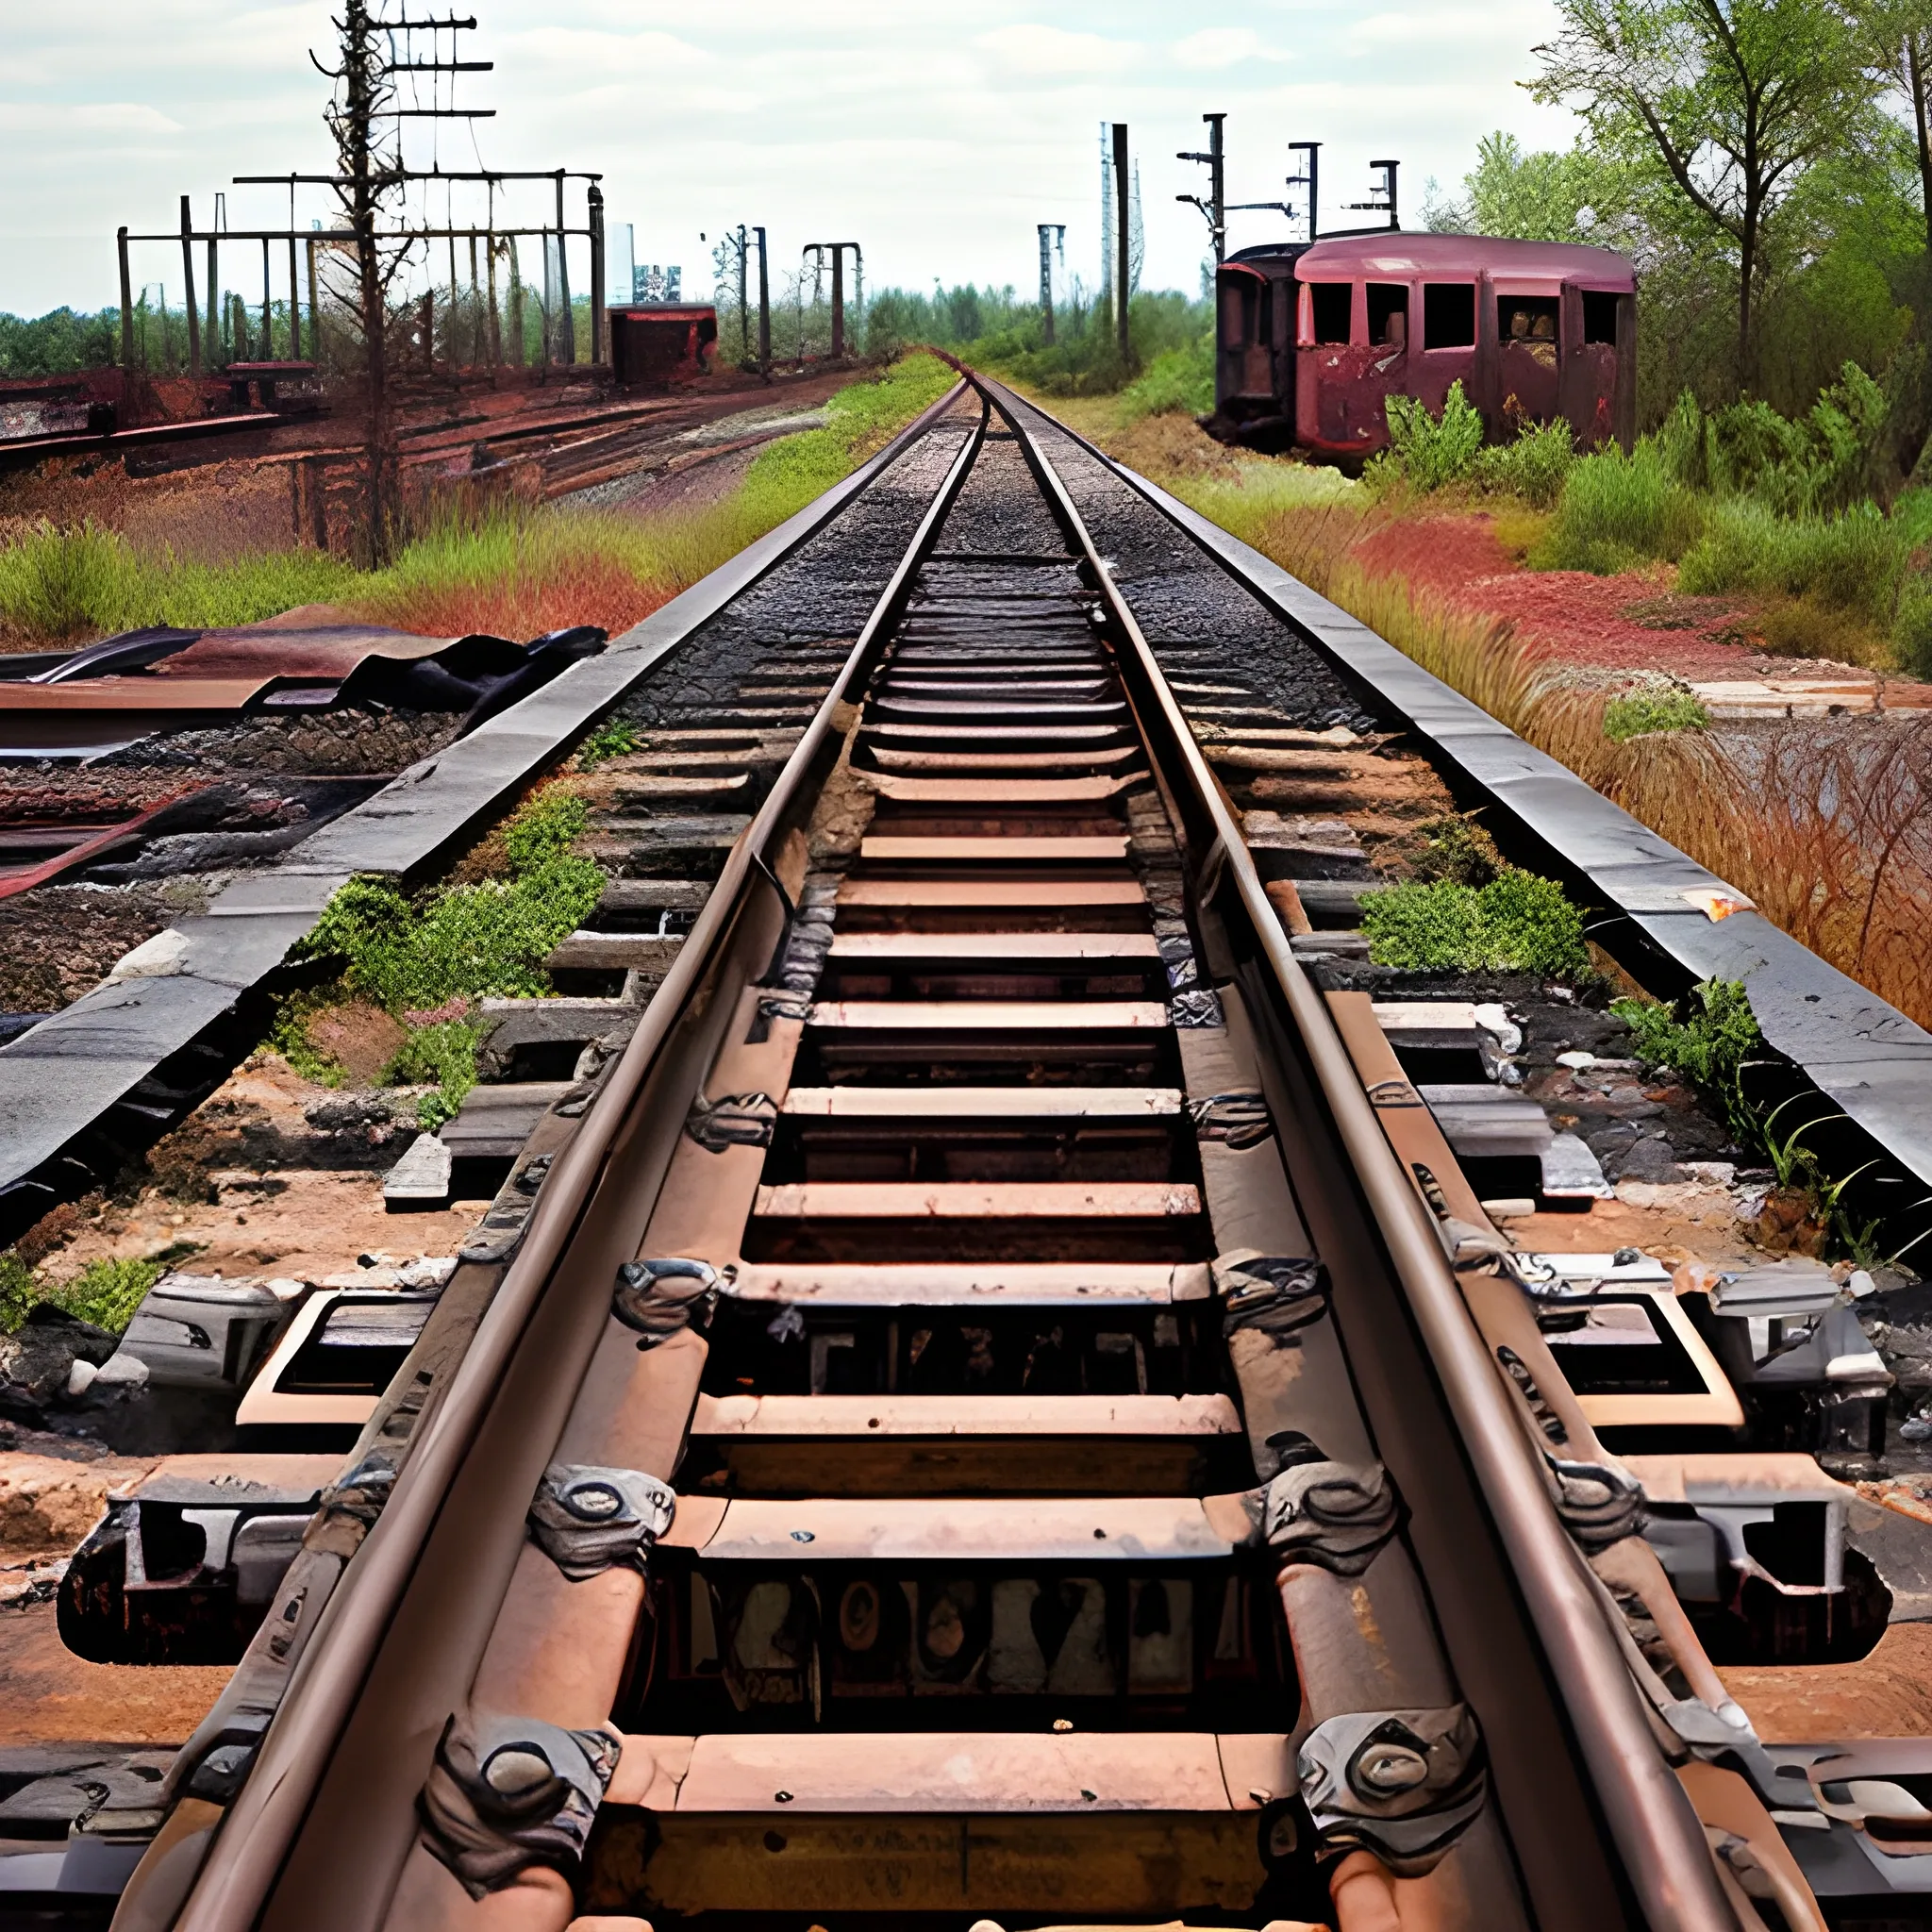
(443, 1055)
(1534, 467)
(1177, 382)
(104, 1292)
(1854, 561)
(415, 954)
(1430, 452)
(1912, 625)
(1636, 712)
(1618, 511)
(1517, 922)
(1709, 1047)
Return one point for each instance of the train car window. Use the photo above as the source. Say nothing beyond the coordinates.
(1599, 316)
(1389, 314)
(1331, 304)
(1449, 315)
(1527, 318)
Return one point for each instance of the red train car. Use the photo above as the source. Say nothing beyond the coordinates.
(1312, 339)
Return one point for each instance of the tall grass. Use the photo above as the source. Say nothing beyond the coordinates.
(57, 584)
(511, 568)
(1828, 831)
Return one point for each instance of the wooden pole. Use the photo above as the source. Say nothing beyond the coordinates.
(314, 307)
(596, 228)
(567, 334)
(1123, 203)
(187, 275)
(126, 307)
(214, 303)
(295, 303)
(516, 307)
(495, 321)
(268, 313)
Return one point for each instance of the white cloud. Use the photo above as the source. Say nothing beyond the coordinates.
(61, 119)
(1219, 46)
(1035, 49)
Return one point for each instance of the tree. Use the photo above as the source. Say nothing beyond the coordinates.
(1895, 38)
(1544, 196)
(1733, 99)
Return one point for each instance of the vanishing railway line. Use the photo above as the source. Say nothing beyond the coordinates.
(1006, 1406)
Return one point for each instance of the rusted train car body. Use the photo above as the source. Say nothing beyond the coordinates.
(1313, 338)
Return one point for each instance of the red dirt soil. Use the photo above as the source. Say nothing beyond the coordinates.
(1567, 615)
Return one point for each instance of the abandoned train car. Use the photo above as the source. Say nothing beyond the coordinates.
(1312, 339)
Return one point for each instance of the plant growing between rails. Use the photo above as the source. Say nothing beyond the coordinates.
(423, 959)
(105, 1293)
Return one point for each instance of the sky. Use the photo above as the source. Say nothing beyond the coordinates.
(937, 137)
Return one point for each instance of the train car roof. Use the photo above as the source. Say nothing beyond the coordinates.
(1397, 253)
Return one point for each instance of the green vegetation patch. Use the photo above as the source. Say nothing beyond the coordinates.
(422, 954)
(1710, 1046)
(104, 1292)
(615, 738)
(1517, 922)
(1638, 712)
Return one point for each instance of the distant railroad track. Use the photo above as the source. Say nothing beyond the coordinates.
(1004, 1406)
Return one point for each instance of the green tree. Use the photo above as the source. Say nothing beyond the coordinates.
(1734, 100)
(1545, 196)
(1895, 40)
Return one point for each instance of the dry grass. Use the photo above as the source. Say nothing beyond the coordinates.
(1826, 828)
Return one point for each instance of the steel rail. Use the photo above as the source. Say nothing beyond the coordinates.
(238, 1883)
(1665, 1856)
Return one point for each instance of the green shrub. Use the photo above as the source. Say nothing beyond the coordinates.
(1636, 712)
(1517, 922)
(443, 1055)
(1177, 382)
(1533, 467)
(104, 1292)
(1431, 452)
(1854, 561)
(616, 738)
(412, 955)
(1618, 511)
(1911, 624)
(1709, 1047)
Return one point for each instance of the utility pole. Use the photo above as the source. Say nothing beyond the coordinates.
(1052, 235)
(764, 310)
(1386, 205)
(1310, 178)
(743, 299)
(1122, 195)
(1215, 207)
(188, 277)
(836, 250)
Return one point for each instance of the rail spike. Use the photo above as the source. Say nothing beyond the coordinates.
(508, 1793)
(1401, 1785)
(1331, 1514)
(588, 1519)
(659, 1298)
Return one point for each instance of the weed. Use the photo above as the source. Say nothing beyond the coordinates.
(1516, 923)
(104, 1292)
(1617, 511)
(1852, 562)
(1177, 382)
(1458, 849)
(1710, 1046)
(1430, 452)
(1637, 713)
(444, 1056)
(616, 738)
(1534, 467)
(489, 938)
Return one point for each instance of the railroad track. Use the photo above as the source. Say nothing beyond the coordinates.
(1005, 1408)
